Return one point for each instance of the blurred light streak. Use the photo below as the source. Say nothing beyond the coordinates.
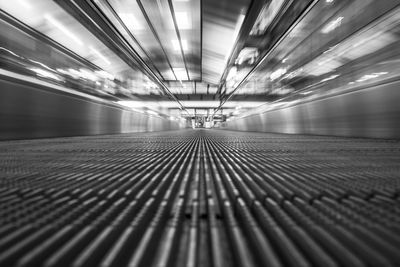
(332, 25)
(130, 21)
(45, 73)
(177, 46)
(371, 76)
(24, 4)
(183, 21)
(63, 29)
(278, 73)
(99, 55)
(330, 78)
(41, 64)
(180, 74)
(9, 51)
(235, 36)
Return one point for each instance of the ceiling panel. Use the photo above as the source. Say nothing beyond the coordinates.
(221, 23)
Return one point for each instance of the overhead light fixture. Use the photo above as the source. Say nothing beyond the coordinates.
(332, 25)
(180, 73)
(182, 21)
(63, 29)
(130, 21)
(99, 55)
(177, 47)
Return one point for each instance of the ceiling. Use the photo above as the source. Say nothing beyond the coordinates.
(191, 56)
(179, 46)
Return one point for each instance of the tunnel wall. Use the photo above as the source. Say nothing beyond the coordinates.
(373, 112)
(29, 110)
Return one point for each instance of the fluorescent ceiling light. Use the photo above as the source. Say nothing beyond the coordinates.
(332, 25)
(180, 73)
(130, 21)
(177, 47)
(63, 29)
(99, 55)
(182, 20)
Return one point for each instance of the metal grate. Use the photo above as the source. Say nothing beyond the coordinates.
(200, 198)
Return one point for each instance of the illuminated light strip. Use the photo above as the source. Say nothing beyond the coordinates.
(99, 55)
(63, 29)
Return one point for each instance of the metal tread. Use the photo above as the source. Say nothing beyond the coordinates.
(200, 198)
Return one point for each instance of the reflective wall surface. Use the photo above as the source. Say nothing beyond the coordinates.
(29, 110)
(335, 72)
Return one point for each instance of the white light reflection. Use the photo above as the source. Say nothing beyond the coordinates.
(63, 29)
(130, 21)
(99, 55)
(278, 73)
(371, 76)
(177, 46)
(24, 4)
(332, 25)
(330, 78)
(45, 73)
(182, 21)
(105, 74)
(180, 74)
(235, 35)
(9, 51)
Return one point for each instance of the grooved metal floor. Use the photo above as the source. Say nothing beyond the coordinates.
(200, 198)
